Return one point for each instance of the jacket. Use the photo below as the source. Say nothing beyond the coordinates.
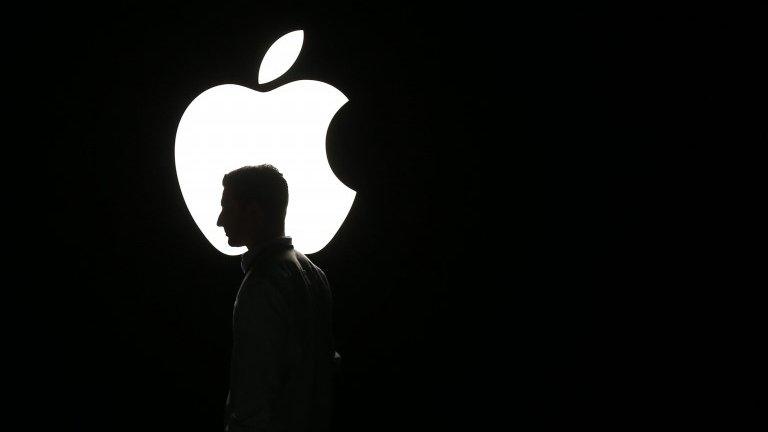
(282, 346)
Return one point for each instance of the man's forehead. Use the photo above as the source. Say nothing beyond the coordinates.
(228, 197)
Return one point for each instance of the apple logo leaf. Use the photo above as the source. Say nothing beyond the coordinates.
(281, 56)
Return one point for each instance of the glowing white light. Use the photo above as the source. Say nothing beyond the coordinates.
(280, 56)
(230, 126)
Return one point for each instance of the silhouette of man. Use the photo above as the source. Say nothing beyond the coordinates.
(282, 347)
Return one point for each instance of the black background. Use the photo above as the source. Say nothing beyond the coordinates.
(533, 191)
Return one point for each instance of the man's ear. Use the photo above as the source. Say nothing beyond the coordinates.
(252, 209)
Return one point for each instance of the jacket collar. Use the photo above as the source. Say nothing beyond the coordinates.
(278, 243)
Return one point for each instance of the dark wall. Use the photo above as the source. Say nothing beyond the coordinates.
(506, 162)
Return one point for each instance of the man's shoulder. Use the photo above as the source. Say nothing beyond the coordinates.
(305, 261)
(309, 265)
(277, 271)
(285, 269)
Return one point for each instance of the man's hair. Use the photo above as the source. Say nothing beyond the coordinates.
(261, 184)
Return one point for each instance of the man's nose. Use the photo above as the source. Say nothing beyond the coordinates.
(218, 221)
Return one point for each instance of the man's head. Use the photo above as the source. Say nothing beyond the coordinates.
(253, 205)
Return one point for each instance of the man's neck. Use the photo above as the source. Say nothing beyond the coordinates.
(256, 243)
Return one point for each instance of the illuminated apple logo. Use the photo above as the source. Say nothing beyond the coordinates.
(230, 126)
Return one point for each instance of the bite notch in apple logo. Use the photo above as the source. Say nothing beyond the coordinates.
(229, 126)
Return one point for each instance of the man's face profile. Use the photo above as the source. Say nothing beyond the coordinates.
(240, 221)
(232, 219)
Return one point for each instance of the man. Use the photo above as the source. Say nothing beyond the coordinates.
(282, 354)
